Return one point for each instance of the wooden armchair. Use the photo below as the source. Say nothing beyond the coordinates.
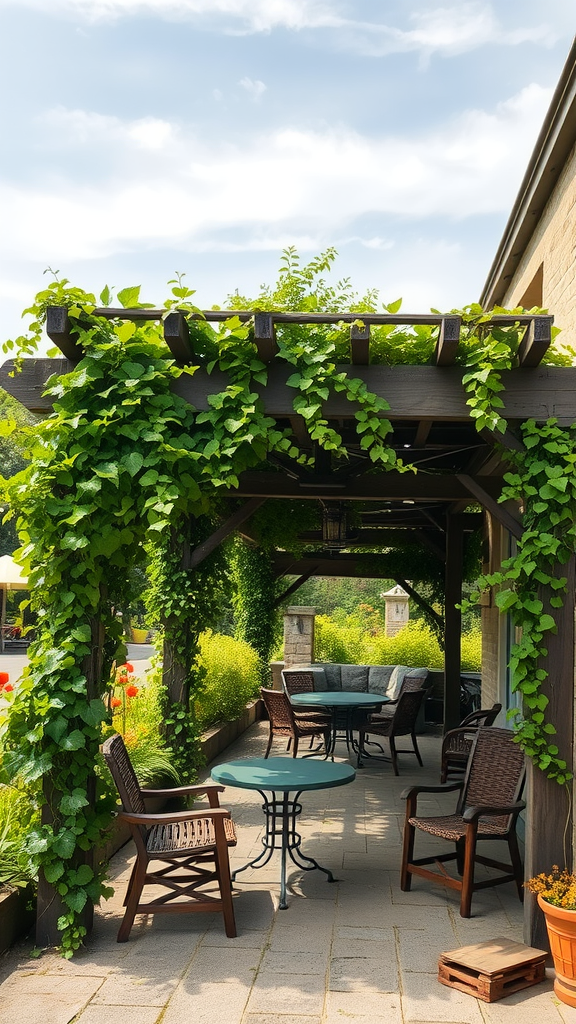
(192, 847)
(457, 743)
(488, 808)
(401, 723)
(287, 722)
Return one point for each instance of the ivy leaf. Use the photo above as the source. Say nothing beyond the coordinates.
(129, 296)
(74, 741)
(72, 802)
(133, 462)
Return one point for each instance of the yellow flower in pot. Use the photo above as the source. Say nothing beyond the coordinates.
(556, 894)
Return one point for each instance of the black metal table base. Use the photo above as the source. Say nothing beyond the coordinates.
(280, 816)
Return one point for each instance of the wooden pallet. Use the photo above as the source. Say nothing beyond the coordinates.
(491, 970)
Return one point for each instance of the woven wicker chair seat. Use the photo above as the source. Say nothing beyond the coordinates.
(452, 827)
(186, 837)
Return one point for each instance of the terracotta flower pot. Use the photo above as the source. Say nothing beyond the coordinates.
(561, 925)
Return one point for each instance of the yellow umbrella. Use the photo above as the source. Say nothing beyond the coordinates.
(11, 578)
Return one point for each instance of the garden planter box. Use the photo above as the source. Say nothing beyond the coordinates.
(15, 917)
(221, 735)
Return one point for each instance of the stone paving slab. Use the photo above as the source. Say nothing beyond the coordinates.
(359, 950)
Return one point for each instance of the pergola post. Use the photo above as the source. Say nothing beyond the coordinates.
(453, 620)
(549, 813)
(174, 670)
(49, 905)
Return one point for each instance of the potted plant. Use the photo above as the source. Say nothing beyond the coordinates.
(556, 893)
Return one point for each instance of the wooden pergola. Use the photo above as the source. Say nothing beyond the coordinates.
(458, 471)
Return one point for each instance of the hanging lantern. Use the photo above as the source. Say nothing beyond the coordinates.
(334, 526)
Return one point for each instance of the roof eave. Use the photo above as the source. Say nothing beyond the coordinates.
(555, 142)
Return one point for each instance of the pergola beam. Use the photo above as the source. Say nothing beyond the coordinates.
(378, 486)
(498, 511)
(415, 393)
(232, 523)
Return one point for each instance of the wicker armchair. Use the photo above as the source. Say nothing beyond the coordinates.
(488, 808)
(287, 722)
(457, 743)
(191, 846)
(401, 723)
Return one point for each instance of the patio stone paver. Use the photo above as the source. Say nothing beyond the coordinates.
(359, 950)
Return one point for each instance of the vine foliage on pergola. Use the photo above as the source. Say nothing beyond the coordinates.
(123, 462)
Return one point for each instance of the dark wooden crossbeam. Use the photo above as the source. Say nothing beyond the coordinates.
(477, 488)
(58, 330)
(294, 586)
(448, 340)
(536, 341)
(177, 337)
(232, 523)
(420, 601)
(415, 393)
(360, 344)
(390, 486)
(265, 336)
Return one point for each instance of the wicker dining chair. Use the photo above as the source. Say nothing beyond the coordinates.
(488, 808)
(192, 847)
(457, 743)
(287, 722)
(401, 723)
(409, 685)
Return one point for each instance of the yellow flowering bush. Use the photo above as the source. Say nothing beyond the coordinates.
(557, 888)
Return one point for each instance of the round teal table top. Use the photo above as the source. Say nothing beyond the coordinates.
(338, 699)
(282, 773)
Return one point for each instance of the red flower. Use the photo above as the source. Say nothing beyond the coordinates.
(131, 690)
(115, 702)
(7, 687)
(128, 667)
(4, 677)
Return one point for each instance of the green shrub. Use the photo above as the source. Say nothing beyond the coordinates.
(358, 640)
(19, 814)
(472, 650)
(415, 645)
(232, 678)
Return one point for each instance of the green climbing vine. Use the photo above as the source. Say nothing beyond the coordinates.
(528, 584)
(123, 465)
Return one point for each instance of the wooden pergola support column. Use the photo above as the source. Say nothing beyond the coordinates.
(453, 620)
(49, 904)
(549, 811)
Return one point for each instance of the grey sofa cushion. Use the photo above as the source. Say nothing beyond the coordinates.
(333, 676)
(320, 683)
(398, 676)
(379, 677)
(355, 678)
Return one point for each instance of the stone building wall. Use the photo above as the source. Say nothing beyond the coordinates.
(299, 636)
(552, 248)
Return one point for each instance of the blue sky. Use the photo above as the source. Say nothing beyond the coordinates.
(144, 137)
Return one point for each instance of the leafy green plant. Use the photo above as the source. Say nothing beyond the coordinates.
(231, 678)
(18, 814)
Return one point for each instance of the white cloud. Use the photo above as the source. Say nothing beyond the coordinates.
(81, 127)
(170, 187)
(255, 89)
(449, 30)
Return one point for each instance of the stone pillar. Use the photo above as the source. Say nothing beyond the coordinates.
(299, 636)
(397, 610)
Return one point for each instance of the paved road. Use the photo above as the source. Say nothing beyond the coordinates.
(13, 661)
